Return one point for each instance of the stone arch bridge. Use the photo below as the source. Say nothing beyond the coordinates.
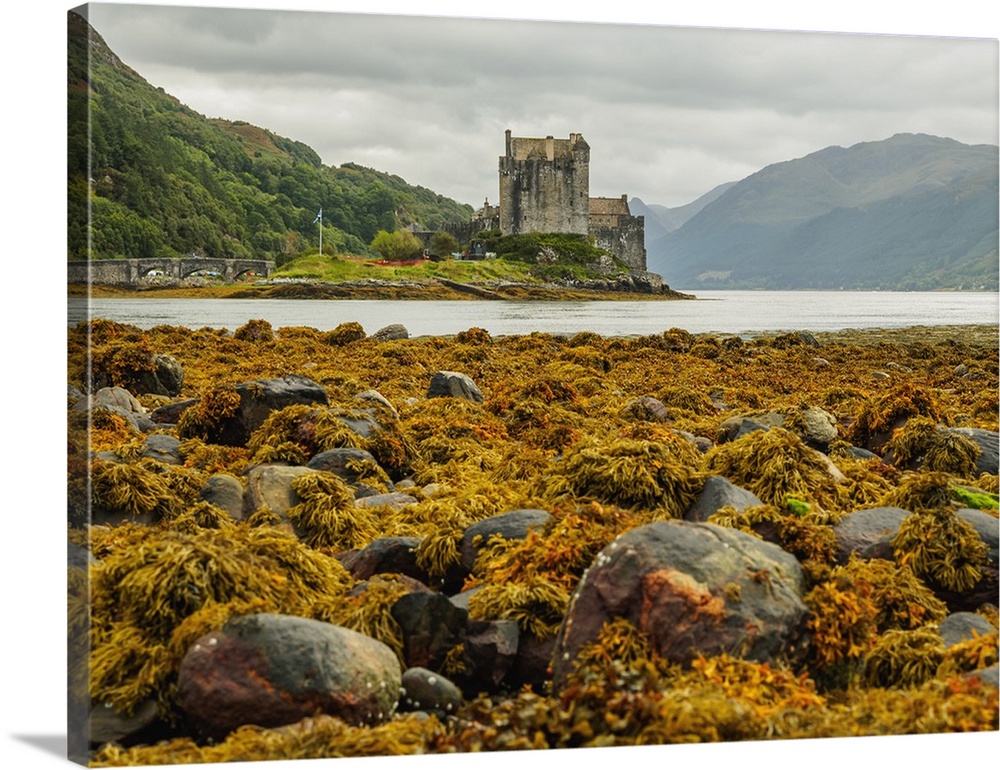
(128, 272)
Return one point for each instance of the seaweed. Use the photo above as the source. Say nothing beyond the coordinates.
(905, 658)
(776, 464)
(628, 473)
(884, 414)
(940, 547)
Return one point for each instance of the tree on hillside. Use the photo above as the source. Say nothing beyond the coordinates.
(401, 244)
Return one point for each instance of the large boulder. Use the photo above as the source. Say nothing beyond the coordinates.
(693, 589)
(346, 462)
(273, 670)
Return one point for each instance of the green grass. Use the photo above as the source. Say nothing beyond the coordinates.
(340, 269)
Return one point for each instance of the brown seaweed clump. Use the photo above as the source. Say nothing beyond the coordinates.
(255, 330)
(879, 417)
(905, 658)
(902, 600)
(775, 465)
(843, 625)
(940, 547)
(629, 473)
(921, 444)
(531, 580)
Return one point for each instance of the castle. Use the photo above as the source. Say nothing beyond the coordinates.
(545, 188)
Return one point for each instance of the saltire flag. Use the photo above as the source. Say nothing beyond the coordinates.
(319, 216)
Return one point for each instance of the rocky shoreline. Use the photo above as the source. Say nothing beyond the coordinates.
(630, 287)
(305, 543)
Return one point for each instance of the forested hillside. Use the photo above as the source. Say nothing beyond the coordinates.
(166, 181)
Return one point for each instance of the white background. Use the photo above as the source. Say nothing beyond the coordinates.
(32, 682)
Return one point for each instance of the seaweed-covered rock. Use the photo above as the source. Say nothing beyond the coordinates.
(868, 533)
(815, 426)
(352, 465)
(431, 626)
(693, 589)
(647, 409)
(455, 385)
(512, 525)
(272, 670)
(988, 442)
(385, 555)
(717, 493)
(230, 416)
(270, 486)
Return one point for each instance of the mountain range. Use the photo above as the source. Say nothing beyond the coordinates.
(910, 212)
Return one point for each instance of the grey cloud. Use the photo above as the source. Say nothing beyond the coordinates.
(670, 112)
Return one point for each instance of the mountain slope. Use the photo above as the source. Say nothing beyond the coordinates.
(158, 179)
(912, 211)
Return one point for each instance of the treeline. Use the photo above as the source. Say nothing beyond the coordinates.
(157, 179)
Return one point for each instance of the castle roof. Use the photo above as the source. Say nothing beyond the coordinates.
(609, 206)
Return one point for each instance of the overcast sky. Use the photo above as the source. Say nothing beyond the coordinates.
(669, 112)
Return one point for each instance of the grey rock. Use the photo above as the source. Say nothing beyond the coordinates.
(343, 462)
(426, 690)
(378, 398)
(987, 527)
(867, 533)
(163, 448)
(385, 555)
(391, 332)
(962, 626)
(270, 486)
(988, 676)
(693, 589)
(989, 447)
(717, 493)
(446, 384)
(273, 670)
(395, 500)
(512, 525)
(431, 626)
(489, 651)
(169, 375)
(225, 492)
(108, 725)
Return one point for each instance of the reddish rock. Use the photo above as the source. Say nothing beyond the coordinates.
(692, 588)
(272, 670)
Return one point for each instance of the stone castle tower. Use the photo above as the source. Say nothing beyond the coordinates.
(545, 185)
(545, 188)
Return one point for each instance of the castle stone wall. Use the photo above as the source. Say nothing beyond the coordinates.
(545, 185)
(626, 240)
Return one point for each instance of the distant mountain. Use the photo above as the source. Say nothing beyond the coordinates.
(667, 219)
(150, 177)
(910, 212)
